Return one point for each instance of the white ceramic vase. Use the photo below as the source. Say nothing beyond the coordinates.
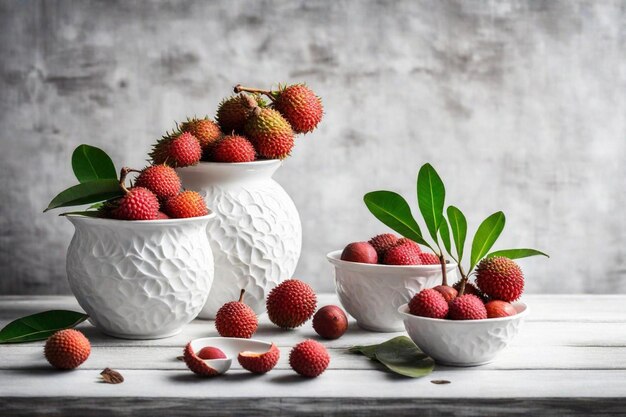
(256, 237)
(140, 279)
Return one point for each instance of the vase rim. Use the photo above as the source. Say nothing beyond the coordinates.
(158, 222)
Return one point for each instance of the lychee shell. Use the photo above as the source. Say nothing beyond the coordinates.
(259, 363)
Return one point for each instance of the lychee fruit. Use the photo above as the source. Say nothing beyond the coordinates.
(449, 293)
(177, 150)
(498, 308)
(162, 180)
(330, 322)
(467, 307)
(410, 243)
(300, 106)
(67, 349)
(382, 243)
(196, 364)
(259, 363)
(206, 131)
(427, 258)
(291, 304)
(270, 133)
(233, 112)
(500, 278)
(309, 358)
(210, 352)
(233, 148)
(470, 288)
(236, 319)
(162, 216)
(361, 252)
(402, 255)
(429, 303)
(139, 203)
(186, 204)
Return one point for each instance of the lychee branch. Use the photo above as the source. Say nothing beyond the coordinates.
(123, 173)
(239, 88)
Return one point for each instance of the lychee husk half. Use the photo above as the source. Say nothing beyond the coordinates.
(195, 364)
(259, 363)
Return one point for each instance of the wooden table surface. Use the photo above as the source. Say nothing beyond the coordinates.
(569, 359)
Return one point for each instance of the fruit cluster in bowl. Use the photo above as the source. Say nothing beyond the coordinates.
(388, 249)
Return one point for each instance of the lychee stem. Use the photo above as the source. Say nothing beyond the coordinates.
(241, 295)
(463, 281)
(123, 173)
(444, 270)
(239, 88)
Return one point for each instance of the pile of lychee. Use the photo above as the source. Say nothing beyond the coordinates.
(289, 305)
(247, 127)
(388, 249)
(499, 281)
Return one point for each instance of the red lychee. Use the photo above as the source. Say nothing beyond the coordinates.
(429, 303)
(206, 131)
(186, 204)
(402, 255)
(467, 307)
(67, 349)
(233, 112)
(449, 293)
(236, 319)
(162, 180)
(500, 278)
(270, 133)
(410, 243)
(233, 148)
(291, 303)
(330, 322)
(177, 150)
(139, 203)
(300, 106)
(470, 288)
(382, 243)
(210, 352)
(309, 358)
(259, 363)
(361, 252)
(427, 258)
(497, 308)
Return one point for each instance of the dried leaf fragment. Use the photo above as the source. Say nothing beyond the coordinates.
(111, 376)
(440, 381)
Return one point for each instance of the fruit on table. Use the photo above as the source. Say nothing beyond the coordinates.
(330, 322)
(309, 358)
(67, 349)
(362, 252)
(291, 304)
(236, 319)
(259, 363)
(211, 352)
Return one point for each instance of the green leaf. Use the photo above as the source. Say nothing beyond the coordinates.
(486, 235)
(90, 163)
(399, 355)
(40, 326)
(444, 232)
(393, 210)
(458, 224)
(517, 253)
(86, 193)
(87, 213)
(431, 195)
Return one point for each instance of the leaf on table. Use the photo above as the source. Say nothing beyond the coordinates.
(369, 350)
(111, 376)
(90, 163)
(517, 253)
(486, 235)
(431, 195)
(393, 210)
(40, 326)
(399, 355)
(86, 193)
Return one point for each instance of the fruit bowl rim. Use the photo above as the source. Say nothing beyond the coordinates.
(334, 257)
(404, 311)
(257, 162)
(160, 222)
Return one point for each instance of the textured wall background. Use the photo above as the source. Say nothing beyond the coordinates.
(520, 105)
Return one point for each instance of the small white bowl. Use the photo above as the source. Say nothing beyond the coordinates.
(372, 293)
(231, 346)
(463, 342)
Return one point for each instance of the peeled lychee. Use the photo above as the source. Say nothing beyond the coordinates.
(67, 349)
(196, 364)
(177, 150)
(449, 293)
(210, 352)
(361, 252)
(233, 148)
(427, 258)
(270, 133)
(402, 255)
(382, 243)
(236, 319)
(291, 303)
(206, 131)
(330, 322)
(309, 358)
(500, 278)
(162, 180)
(300, 106)
(429, 303)
(467, 307)
(259, 363)
(186, 204)
(497, 308)
(139, 203)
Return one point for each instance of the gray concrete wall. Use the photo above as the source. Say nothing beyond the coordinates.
(520, 105)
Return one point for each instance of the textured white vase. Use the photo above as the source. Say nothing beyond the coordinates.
(256, 237)
(140, 279)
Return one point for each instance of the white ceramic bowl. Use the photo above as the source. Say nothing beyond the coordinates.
(231, 346)
(372, 293)
(140, 279)
(463, 342)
